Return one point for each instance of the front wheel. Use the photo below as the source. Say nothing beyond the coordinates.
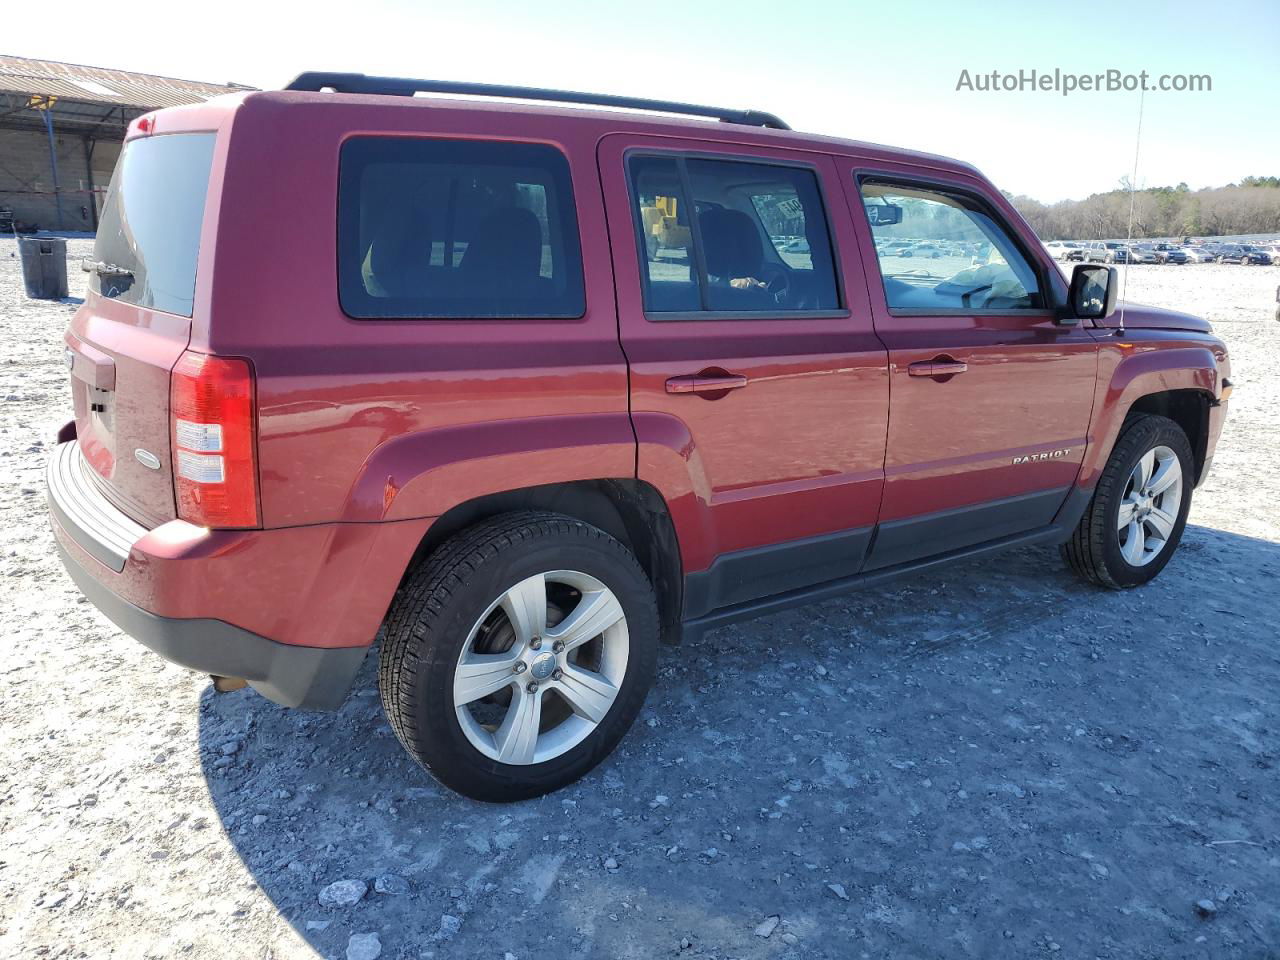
(1135, 520)
(518, 655)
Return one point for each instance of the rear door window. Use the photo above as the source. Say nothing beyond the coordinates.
(731, 236)
(149, 232)
(444, 228)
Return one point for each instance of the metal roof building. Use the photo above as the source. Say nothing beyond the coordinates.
(61, 127)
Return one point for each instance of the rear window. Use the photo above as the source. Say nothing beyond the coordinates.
(149, 231)
(442, 228)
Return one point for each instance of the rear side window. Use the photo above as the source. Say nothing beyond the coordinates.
(149, 232)
(445, 228)
(731, 236)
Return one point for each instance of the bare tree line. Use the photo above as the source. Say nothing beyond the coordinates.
(1248, 207)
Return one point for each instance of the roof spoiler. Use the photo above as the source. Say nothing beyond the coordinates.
(404, 87)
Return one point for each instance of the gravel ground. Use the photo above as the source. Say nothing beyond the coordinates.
(992, 761)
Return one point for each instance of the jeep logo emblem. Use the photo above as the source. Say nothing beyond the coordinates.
(1047, 455)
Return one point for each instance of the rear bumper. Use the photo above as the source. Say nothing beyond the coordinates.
(292, 610)
(309, 677)
(86, 516)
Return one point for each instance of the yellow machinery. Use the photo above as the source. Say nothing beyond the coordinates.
(662, 227)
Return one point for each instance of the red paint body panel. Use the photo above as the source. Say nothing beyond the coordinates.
(367, 430)
(332, 390)
(141, 347)
(1147, 361)
(420, 473)
(1028, 388)
(799, 451)
(326, 585)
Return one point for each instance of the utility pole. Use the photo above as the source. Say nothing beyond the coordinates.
(45, 105)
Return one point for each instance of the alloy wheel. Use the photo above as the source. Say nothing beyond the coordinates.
(1148, 512)
(541, 667)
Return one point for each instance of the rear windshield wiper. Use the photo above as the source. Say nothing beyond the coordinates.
(104, 269)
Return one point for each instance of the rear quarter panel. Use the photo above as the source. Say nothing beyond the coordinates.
(369, 420)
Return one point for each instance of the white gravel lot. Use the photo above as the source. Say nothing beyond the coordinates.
(991, 761)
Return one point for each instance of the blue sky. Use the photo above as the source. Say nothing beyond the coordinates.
(885, 72)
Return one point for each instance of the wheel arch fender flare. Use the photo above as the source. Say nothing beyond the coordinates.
(428, 472)
(1145, 374)
(668, 458)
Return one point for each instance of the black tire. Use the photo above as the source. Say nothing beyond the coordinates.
(438, 605)
(1093, 552)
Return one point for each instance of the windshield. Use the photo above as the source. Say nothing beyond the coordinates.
(149, 232)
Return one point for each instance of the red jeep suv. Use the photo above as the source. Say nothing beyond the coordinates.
(532, 387)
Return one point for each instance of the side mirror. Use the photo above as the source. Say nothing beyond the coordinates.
(883, 214)
(1093, 293)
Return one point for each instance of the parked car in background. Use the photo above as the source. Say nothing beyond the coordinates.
(1106, 251)
(1064, 250)
(927, 249)
(465, 408)
(1199, 254)
(1168, 253)
(1142, 253)
(1258, 256)
(1232, 253)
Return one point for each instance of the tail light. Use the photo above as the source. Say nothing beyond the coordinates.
(215, 469)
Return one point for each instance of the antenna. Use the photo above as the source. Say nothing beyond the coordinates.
(1133, 188)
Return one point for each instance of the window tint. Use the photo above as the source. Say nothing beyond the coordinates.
(437, 228)
(729, 235)
(149, 232)
(947, 252)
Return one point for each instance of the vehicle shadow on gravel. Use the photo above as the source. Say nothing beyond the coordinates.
(985, 761)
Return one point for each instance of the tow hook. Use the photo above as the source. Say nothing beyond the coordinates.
(227, 684)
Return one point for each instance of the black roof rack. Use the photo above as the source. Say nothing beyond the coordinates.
(404, 87)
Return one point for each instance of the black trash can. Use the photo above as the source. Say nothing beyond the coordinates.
(44, 267)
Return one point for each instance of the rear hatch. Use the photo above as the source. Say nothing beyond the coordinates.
(136, 321)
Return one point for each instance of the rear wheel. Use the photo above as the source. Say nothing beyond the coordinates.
(1135, 520)
(518, 655)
